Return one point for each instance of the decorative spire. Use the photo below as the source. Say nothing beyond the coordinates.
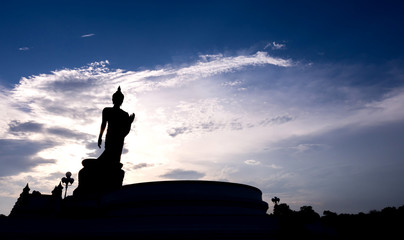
(26, 189)
(57, 191)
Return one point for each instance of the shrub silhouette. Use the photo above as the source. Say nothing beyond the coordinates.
(306, 223)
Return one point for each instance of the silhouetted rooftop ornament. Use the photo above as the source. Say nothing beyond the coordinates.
(66, 180)
(25, 190)
(57, 191)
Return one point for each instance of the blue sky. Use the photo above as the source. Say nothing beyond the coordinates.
(302, 100)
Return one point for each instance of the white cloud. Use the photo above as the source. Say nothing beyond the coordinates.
(305, 147)
(275, 46)
(209, 57)
(87, 35)
(232, 83)
(252, 162)
(23, 48)
(278, 46)
(219, 65)
(274, 166)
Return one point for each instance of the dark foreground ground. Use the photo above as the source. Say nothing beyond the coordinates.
(386, 224)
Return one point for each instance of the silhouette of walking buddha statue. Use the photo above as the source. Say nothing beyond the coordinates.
(107, 166)
(119, 123)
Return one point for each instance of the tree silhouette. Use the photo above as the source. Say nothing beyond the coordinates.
(282, 210)
(307, 214)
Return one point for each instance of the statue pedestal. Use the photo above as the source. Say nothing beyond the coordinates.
(184, 198)
(98, 177)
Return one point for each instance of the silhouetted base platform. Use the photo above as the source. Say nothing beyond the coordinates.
(145, 227)
(184, 198)
(164, 210)
(170, 198)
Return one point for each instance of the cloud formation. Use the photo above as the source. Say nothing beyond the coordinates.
(208, 116)
(21, 156)
(252, 162)
(182, 174)
(63, 108)
(15, 127)
(141, 165)
(275, 46)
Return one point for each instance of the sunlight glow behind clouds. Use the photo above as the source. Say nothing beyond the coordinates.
(191, 121)
(64, 107)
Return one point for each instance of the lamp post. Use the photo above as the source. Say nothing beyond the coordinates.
(66, 180)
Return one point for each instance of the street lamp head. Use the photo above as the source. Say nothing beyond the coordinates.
(68, 179)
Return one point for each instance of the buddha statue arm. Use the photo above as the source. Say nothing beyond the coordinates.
(103, 125)
(130, 120)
